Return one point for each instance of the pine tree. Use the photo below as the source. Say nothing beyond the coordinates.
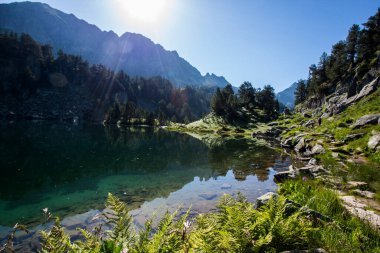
(246, 94)
(218, 103)
(352, 41)
(300, 92)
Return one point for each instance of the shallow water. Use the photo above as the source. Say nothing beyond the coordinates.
(71, 168)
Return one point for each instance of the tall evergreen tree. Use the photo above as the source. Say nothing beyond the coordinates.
(218, 102)
(301, 91)
(352, 41)
(246, 94)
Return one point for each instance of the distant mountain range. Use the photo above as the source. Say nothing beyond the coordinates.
(133, 53)
(286, 96)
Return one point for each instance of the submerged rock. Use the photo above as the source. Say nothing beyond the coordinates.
(226, 186)
(208, 195)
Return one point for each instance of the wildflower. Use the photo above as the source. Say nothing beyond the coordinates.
(304, 179)
(187, 224)
(45, 210)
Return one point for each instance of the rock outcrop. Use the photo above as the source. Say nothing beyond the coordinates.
(368, 119)
(339, 102)
(374, 141)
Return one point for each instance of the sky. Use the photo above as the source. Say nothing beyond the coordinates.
(260, 41)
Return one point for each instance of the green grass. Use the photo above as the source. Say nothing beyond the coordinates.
(346, 233)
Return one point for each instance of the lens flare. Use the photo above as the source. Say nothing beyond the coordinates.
(144, 10)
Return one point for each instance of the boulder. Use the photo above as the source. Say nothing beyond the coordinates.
(357, 185)
(292, 141)
(262, 200)
(301, 146)
(284, 175)
(366, 194)
(366, 120)
(317, 149)
(351, 137)
(365, 91)
(312, 161)
(311, 171)
(360, 209)
(374, 141)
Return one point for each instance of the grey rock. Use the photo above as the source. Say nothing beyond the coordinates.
(301, 145)
(309, 123)
(351, 137)
(318, 149)
(365, 91)
(292, 141)
(366, 194)
(357, 185)
(312, 161)
(284, 175)
(262, 200)
(311, 171)
(366, 120)
(374, 141)
(357, 208)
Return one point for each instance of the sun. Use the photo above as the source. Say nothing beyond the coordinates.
(144, 10)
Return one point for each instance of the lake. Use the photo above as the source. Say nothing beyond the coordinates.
(70, 169)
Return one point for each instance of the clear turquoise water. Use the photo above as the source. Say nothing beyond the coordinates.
(71, 168)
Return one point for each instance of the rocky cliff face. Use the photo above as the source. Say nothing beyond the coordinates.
(133, 53)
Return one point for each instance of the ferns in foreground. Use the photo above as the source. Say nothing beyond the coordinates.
(236, 227)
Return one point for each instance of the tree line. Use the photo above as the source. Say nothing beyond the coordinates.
(350, 65)
(27, 66)
(248, 101)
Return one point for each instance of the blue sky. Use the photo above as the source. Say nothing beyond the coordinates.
(261, 41)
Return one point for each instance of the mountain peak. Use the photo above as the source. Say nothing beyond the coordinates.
(134, 53)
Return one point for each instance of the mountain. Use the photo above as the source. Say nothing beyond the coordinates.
(133, 53)
(35, 84)
(286, 96)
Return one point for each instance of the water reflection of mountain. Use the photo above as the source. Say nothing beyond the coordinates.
(70, 169)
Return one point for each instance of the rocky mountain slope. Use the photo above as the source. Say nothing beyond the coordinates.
(286, 96)
(133, 53)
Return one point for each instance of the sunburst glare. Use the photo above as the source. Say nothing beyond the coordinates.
(144, 10)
